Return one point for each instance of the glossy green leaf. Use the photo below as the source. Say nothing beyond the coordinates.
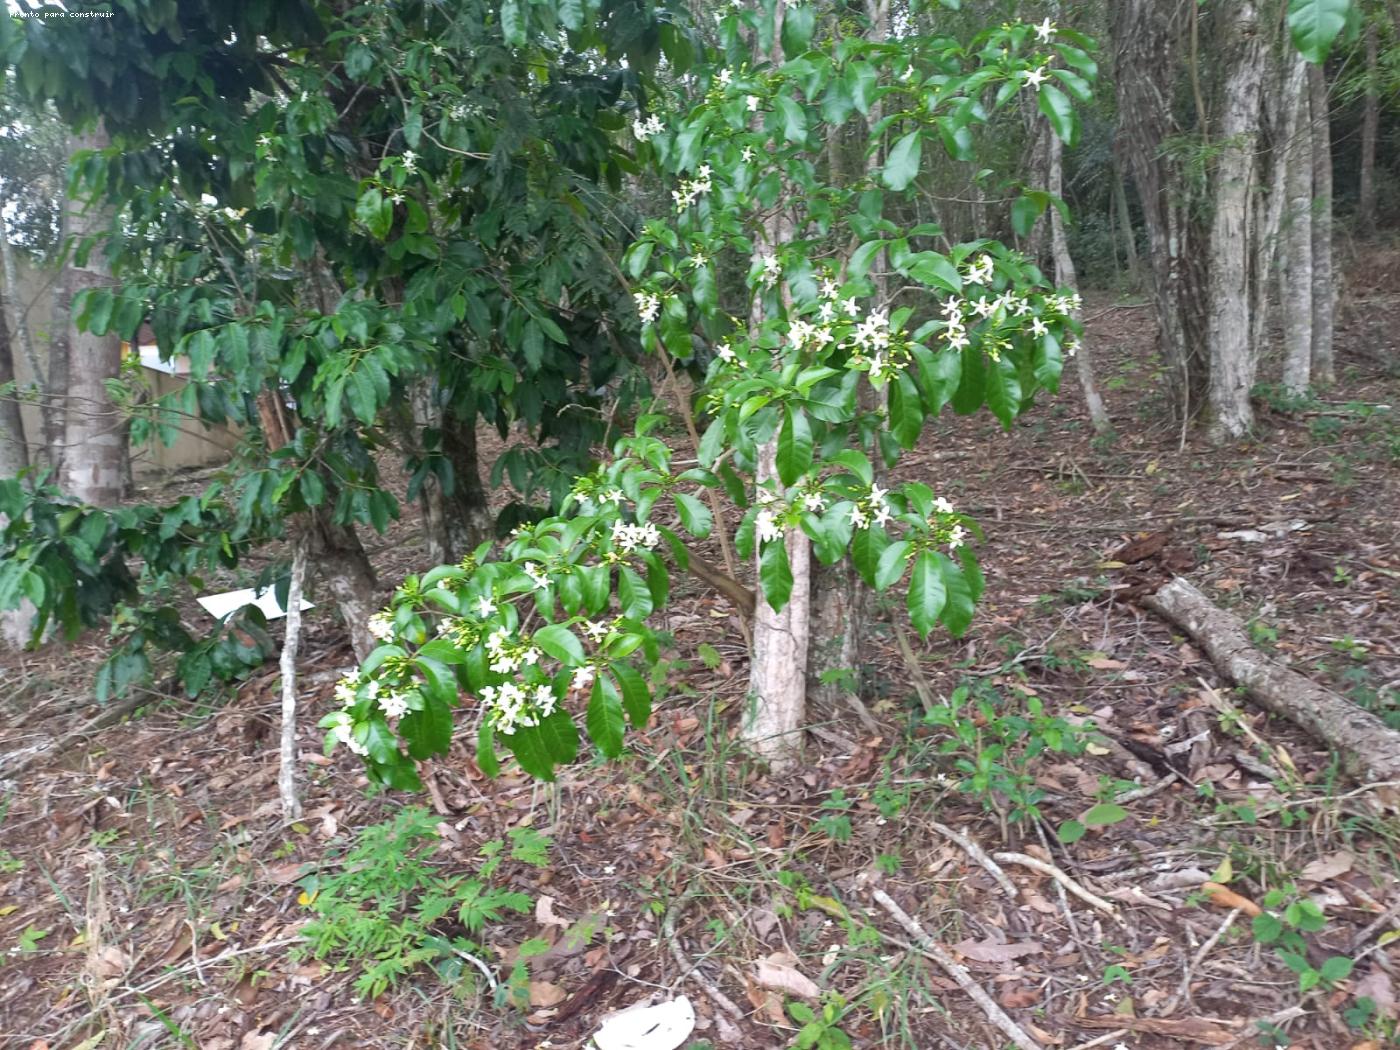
(1316, 24)
(604, 718)
(794, 453)
(902, 164)
(927, 593)
(775, 574)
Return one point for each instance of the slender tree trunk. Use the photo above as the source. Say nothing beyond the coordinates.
(1065, 277)
(287, 764)
(1370, 125)
(1324, 293)
(1125, 227)
(1295, 276)
(471, 522)
(777, 710)
(18, 328)
(56, 384)
(14, 451)
(94, 467)
(1147, 38)
(1229, 320)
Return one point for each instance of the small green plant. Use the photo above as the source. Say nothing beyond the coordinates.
(995, 741)
(820, 1030)
(391, 905)
(9, 863)
(835, 821)
(1262, 634)
(1285, 929)
(888, 863)
(29, 939)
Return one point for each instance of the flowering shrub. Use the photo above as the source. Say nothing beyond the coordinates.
(819, 366)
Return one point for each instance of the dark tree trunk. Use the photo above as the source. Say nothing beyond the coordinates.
(1370, 124)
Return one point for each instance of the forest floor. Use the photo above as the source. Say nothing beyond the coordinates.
(151, 895)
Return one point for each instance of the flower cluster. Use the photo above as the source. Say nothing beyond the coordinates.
(394, 700)
(648, 306)
(692, 189)
(381, 625)
(513, 706)
(628, 538)
(873, 509)
(645, 129)
(877, 350)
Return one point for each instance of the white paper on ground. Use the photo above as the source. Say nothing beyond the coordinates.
(664, 1026)
(220, 605)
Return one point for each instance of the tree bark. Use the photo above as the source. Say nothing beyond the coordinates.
(1369, 747)
(777, 701)
(14, 452)
(287, 752)
(1324, 290)
(1295, 276)
(1125, 227)
(56, 383)
(470, 522)
(1370, 125)
(1065, 277)
(94, 461)
(1229, 326)
(1147, 38)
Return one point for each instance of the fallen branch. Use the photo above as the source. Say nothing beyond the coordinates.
(980, 856)
(689, 969)
(927, 946)
(1183, 991)
(1064, 880)
(1368, 746)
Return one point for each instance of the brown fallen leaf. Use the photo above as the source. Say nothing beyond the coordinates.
(1377, 987)
(778, 972)
(544, 913)
(1328, 867)
(1223, 897)
(990, 951)
(1019, 998)
(545, 993)
(257, 1041)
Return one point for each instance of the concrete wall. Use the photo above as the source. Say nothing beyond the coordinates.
(195, 444)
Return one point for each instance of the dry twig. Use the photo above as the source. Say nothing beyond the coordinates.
(978, 854)
(1055, 873)
(689, 969)
(927, 946)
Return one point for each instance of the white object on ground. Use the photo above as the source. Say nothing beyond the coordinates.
(664, 1026)
(220, 605)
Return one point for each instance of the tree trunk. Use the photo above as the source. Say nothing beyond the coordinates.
(287, 752)
(777, 698)
(470, 521)
(1370, 125)
(1324, 294)
(1231, 260)
(1125, 227)
(1147, 36)
(1065, 277)
(1368, 745)
(94, 467)
(56, 383)
(1295, 276)
(14, 452)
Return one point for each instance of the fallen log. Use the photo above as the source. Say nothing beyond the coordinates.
(1369, 748)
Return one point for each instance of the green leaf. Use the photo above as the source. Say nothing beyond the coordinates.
(604, 718)
(1003, 390)
(375, 212)
(775, 574)
(571, 13)
(927, 593)
(906, 411)
(1058, 109)
(1336, 968)
(429, 731)
(902, 165)
(936, 271)
(794, 120)
(892, 564)
(1105, 813)
(863, 79)
(867, 546)
(1316, 24)
(636, 697)
(695, 516)
(561, 643)
(861, 258)
(1025, 210)
(512, 24)
(798, 23)
(1071, 831)
(1267, 928)
(837, 102)
(633, 594)
(958, 610)
(794, 454)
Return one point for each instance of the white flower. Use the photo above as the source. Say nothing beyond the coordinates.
(343, 730)
(830, 289)
(956, 537)
(582, 677)
(981, 271)
(410, 161)
(648, 306)
(942, 505)
(395, 705)
(396, 197)
(723, 77)
(772, 270)
(646, 129)
(1071, 346)
(1045, 31)
(381, 625)
(536, 574)
(766, 527)
(1034, 77)
(882, 513)
(953, 308)
(850, 307)
(726, 353)
(595, 631)
(264, 141)
(747, 154)
(612, 496)
(826, 313)
(485, 606)
(1038, 326)
(859, 519)
(345, 688)
(814, 501)
(752, 103)
(956, 340)
(983, 307)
